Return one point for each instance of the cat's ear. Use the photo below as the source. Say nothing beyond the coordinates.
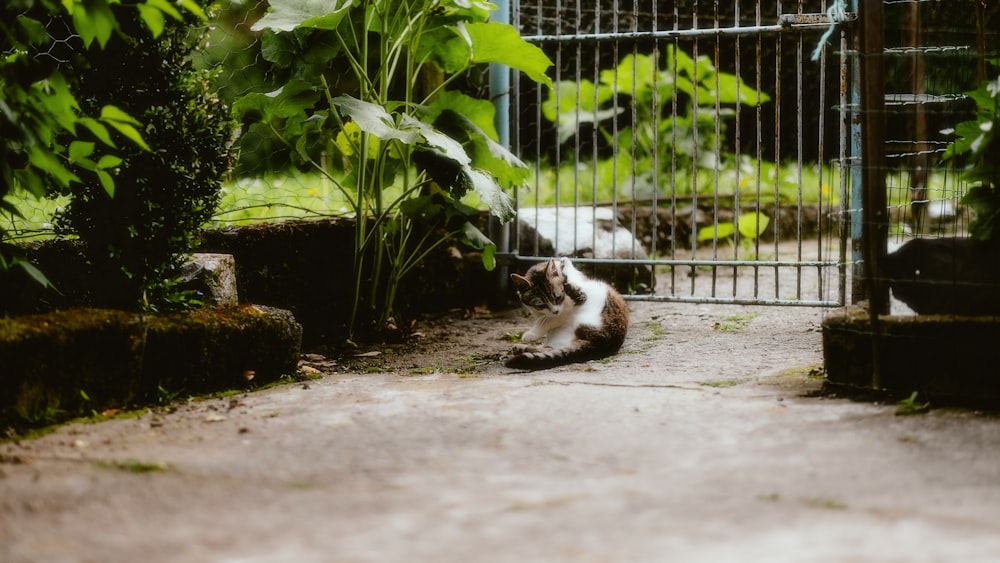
(552, 268)
(521, 283)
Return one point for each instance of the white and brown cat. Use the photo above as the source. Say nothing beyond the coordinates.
(575, 318)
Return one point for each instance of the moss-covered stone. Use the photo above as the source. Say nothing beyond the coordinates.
(950, 359)
(63, 364)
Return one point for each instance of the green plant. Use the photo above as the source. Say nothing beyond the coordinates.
(742, 231)
(678, 106)
(46, 141)
(363, 100)
(137, 235)
(733, 323)
(911, 406)
(977, 140)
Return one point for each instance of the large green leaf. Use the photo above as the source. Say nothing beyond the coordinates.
(491, 194)
(564, 98)
(291, 100)
(374, 119)
(123, 123)
(487, 154)
(286, 15)
(494, 42)
(93, 21)
(752, 225)
(475, 238)
(633, 73)
(444, 47)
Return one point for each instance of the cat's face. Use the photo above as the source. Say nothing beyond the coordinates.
(542, 288)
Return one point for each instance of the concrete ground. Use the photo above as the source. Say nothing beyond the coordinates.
(703, 440)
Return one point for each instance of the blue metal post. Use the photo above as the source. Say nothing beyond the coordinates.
(500, 95)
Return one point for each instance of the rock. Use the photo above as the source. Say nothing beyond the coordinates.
(213, 277)
(956, 276)
(591, 232)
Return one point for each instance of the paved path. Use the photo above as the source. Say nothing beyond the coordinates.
(699, 443)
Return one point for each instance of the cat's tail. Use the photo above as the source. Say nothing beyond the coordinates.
(542, 359)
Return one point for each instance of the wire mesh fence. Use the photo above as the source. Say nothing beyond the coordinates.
(935, 56)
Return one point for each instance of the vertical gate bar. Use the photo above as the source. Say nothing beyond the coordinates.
(799, 135)
(845, 171)
(718, 134)
(595, 135)
(673, 157)
(694, 151)
(858, 290)
(578, 74)
(558, 152)
(654, 216)
(777, 143)
(538, 136)
(759, 141)
(820, 223)
(635, 175)
(616, 57)
(516, 130)
(738, 129)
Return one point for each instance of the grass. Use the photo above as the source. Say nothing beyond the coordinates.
(293, 194)
(742, 179)
(133, 466)
(733, 323)
(720, 383)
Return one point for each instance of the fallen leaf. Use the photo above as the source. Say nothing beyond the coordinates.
(214, 418)
(371, 354)
(309, 370)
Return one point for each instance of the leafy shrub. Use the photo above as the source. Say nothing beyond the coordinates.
(138, 228)
(679, 106)
(361, 97)
(977, 141)
(40, 119)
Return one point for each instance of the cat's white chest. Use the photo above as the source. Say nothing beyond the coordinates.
(560, 330)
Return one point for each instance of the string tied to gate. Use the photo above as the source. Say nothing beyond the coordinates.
(836, 13)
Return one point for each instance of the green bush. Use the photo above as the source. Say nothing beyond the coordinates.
(138, 232)
(46, 142)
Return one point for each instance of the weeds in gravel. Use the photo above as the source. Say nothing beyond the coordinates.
(720, 383)
(910, 406)
(733, 323)
(133, 466)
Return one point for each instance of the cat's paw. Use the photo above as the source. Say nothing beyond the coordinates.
(531, 336)
(524, 348)
(565, 264)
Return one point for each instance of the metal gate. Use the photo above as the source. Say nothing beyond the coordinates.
(689, 151)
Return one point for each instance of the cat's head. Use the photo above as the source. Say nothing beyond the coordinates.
(542, 288)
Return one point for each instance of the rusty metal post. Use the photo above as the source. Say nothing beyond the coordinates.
(875, 226)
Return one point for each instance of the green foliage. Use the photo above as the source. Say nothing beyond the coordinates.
(362, 98)
(143, 214)
(701, 94)
(741, 232)
(46, 141)
(977, 141)
(911, 405)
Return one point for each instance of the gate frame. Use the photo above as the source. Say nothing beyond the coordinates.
(502, 84)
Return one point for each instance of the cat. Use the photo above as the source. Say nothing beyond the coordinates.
(575, 318)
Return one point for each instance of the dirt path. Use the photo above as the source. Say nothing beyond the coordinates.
(699, 442)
